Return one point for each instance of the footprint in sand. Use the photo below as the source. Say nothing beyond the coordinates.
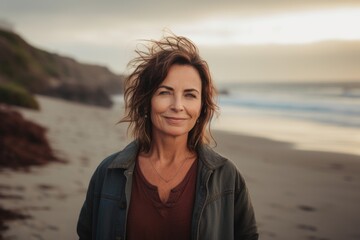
(316, 238)
(307, 208)
(307, 227)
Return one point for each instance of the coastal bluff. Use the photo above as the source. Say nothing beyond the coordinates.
(45, 73)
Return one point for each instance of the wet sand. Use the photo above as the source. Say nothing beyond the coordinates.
(297, 194)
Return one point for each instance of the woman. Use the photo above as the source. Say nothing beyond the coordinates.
(168, 184)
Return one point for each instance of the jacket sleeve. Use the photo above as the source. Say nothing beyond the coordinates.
(88, 215)
(84, 224)
(245, 223)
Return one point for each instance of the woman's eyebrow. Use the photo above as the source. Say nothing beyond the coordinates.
(166, 87)
(172, 89)
(191, 90)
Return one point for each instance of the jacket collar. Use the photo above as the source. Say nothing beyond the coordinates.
(210, 158)
(126, 157)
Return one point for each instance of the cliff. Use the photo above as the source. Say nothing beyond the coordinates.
(41, 72)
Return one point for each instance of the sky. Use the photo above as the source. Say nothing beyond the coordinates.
(246, 41)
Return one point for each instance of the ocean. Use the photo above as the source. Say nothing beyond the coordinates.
(327, 103)
(310, 116)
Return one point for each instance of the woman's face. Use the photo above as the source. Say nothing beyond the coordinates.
(176, 104)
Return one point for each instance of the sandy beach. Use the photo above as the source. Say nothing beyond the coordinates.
(298, 193)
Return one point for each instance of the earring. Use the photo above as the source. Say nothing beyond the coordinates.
(146, 116)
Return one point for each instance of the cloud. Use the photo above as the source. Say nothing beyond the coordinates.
(324, 61)
(106, 32)
(157, 9)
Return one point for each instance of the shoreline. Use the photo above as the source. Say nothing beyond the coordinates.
(295, 193)
(283, 152)
(304, 134)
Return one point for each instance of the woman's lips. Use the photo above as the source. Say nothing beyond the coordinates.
(175, 120)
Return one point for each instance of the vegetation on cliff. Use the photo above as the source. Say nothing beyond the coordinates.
(13, 94)
(41, 72)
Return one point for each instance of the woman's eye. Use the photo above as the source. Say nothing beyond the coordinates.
(164, 92)
(190, 95)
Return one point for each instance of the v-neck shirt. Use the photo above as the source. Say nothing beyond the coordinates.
(150, 218)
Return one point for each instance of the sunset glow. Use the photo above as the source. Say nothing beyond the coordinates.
(291, 28)
(289, 41)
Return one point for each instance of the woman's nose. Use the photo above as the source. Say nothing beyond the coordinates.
(177, 104)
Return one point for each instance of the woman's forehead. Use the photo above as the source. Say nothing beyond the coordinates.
(183, 77)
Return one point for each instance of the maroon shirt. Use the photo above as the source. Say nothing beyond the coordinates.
(150, 218)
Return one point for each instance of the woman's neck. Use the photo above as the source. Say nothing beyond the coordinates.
(169, 150)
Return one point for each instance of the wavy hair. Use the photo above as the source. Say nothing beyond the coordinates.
(150, 68)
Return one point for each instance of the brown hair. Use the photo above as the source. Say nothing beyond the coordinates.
(150, 69)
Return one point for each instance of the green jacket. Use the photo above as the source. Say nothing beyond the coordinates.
(222, 208)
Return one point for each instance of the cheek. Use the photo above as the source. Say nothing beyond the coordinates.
(157, 106)
(196, 110)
